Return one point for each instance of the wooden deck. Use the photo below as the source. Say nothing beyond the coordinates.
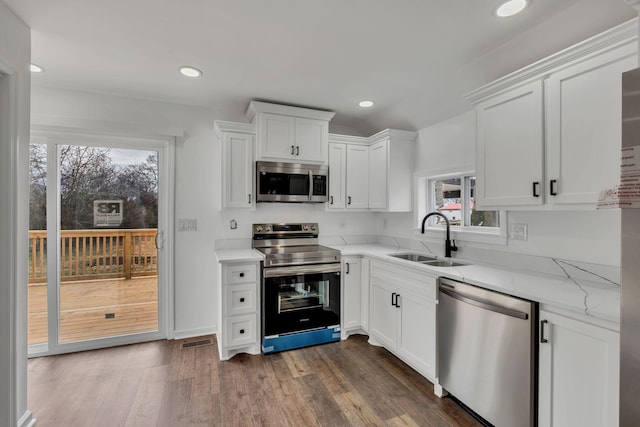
(84, 304)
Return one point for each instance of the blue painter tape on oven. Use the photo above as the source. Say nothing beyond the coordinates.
(300, 339)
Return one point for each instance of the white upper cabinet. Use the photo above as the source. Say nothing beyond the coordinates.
(290, 134)
(357, 188)
(584, 126)
(374, 173)
(237, 166)
(337, 176)
(549, 134)
(509, 148)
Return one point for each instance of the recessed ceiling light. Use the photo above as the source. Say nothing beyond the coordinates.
(35, 68)
(190, 71)
(511, 7)
(366, 104)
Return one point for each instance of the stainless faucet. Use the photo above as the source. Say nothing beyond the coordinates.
(449, 245)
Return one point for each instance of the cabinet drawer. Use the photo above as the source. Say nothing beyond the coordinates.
(417, 281)
(241, 273)
(240, 330)
(239, 299)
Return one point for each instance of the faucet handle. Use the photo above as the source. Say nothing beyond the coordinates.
(453, 245)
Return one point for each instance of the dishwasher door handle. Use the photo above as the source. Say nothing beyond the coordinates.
(483, 304)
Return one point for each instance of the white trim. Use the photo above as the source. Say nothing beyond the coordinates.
(197, 332)
(27, 420)
(220, 126)
(101, 127)
(624, 33)
(287, 110)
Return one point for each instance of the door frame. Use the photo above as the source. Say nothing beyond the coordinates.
(165, 145)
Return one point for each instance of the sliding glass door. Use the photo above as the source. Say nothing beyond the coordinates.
(103, 201)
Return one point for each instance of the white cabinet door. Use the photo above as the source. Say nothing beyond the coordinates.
(237, 170)
(352, 285)
(277, 136)
(579, 373)
(337, 176)
(584, 127)
(417, 340)
(383, 321)
(357, 177)
(378, 170)
(311, 137)
(510, 148)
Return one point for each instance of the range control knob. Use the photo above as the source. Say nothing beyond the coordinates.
(305, 227)
(267, 229)
(258, 228)
(313, 227)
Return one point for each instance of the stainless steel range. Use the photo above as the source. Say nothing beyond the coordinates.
(300, 287)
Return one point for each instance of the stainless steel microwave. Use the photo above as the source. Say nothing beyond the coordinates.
(291, 182)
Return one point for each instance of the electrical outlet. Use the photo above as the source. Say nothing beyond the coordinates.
(518, 231)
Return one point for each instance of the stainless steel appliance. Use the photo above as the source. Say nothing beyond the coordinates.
(487, 352)
(291, 182)
(300, 287)
(629, 266)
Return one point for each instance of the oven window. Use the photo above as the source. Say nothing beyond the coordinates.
(302, 296)
(284, 184)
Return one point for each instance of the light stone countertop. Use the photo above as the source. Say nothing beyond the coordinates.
(589, 298)
(238, 255)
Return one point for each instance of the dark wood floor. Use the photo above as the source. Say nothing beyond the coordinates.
(349, 383)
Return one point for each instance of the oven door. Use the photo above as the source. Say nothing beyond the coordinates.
(300, 298)
(284, 182)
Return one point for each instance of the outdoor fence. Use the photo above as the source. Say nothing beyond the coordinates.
(96, 254)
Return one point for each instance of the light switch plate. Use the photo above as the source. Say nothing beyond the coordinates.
(518, 231)
(187, 225)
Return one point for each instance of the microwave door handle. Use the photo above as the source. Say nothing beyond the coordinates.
(310, 185)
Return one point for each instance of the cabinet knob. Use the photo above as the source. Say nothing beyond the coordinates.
(242, 299)
(242, 331)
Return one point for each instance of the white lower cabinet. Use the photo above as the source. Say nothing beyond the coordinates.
(354, 297)
(238, 312)
(578, 373)
(403, 315)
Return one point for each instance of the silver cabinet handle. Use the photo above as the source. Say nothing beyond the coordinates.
(310, 185)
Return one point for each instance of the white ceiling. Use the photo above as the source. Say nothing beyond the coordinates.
(415, 58)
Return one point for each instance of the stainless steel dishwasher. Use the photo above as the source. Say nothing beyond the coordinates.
(487, 352)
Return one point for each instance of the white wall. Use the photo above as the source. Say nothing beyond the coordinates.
(15, 53)
(585, 236)
(197, 190)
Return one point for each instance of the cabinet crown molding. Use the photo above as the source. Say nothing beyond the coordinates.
(624, 33)
(393, 134)
(220, 126)
(287, 110)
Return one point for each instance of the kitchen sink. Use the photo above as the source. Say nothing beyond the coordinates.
(443, 263)
(415, 257)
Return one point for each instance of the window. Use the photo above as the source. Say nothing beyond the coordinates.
(454, 197)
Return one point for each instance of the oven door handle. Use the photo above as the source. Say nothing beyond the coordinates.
(302, 269)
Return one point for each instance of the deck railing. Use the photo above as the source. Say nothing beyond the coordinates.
(96, 254)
